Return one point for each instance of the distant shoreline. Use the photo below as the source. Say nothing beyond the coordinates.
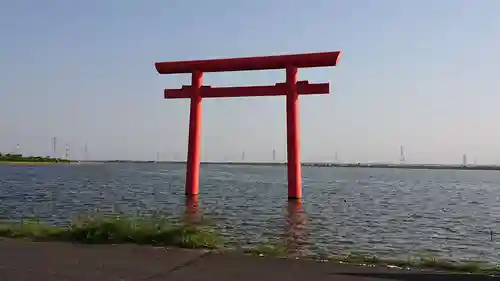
(31, 163)
(336, 165)
(19, 159)
(270, 164)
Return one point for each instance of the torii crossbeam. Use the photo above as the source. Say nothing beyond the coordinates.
(291, 89)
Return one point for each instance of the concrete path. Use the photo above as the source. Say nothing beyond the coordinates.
(30, 261)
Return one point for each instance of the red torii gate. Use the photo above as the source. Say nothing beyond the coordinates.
(291, 88)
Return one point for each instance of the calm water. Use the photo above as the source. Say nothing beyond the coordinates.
(388, 212)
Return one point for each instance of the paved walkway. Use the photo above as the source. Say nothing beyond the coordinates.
(29, 261)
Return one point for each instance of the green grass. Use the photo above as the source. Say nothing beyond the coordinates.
(267, 249)
(425, 261)
(116, 230)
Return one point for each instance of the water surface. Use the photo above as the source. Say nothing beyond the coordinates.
(387, 212)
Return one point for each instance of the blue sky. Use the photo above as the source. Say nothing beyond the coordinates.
(422, 74)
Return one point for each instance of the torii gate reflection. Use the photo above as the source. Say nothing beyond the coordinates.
(291, 88)
(295, 229)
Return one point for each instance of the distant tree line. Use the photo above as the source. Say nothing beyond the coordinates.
(9, 157)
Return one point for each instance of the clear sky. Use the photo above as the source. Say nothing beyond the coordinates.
(422, 74)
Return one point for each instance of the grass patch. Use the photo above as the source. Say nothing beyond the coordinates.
(468, 266)
(425, 262)
(267, 249)
(116, 230)
(354, 257)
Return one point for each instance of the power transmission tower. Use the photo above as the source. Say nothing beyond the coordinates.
(243, 156)
(54, 147)
(402, 158)
(66, 154)
(85, 153)
(274, 154)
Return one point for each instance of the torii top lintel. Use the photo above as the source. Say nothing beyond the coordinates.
(250, 63)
